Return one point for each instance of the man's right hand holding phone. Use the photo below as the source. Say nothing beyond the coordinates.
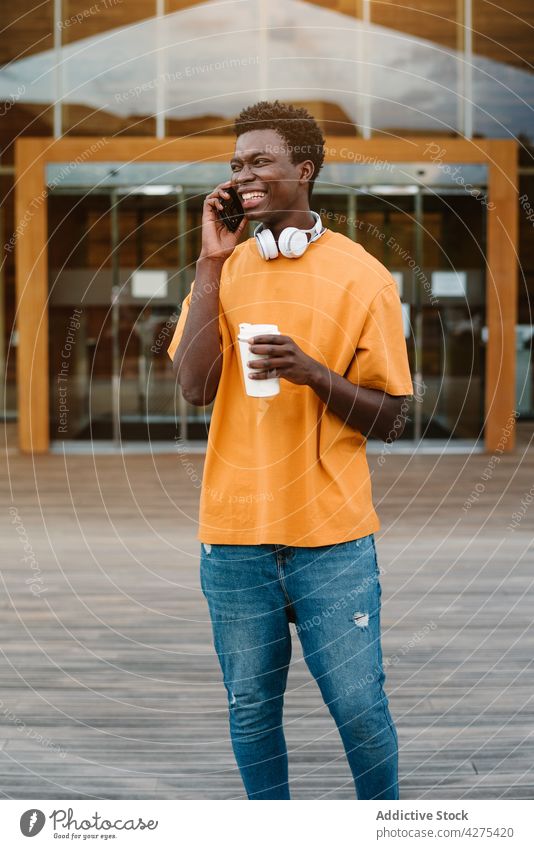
(218, 242)
(198, 358)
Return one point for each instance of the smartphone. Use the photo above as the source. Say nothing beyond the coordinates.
(232, 212)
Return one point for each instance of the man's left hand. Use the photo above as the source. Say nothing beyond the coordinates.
(283, 358)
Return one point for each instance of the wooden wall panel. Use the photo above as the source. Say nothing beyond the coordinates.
(32, 293)
(501, 295)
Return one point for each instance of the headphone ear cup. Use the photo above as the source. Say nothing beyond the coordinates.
(292, 242)
(266, 244)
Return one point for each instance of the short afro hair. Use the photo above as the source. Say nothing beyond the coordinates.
(294, 124)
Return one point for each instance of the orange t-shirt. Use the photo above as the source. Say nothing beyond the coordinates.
(285, 469)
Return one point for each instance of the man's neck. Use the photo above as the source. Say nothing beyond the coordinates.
(301, 218)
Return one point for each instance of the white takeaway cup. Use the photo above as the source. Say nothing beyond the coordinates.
(256, 388)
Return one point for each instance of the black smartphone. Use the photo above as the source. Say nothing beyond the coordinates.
(232, 212)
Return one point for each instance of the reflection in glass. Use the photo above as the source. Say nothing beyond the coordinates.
(453, 341)
(97, 343)
(120, 68)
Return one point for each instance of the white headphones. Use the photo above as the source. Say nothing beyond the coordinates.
(292, 242)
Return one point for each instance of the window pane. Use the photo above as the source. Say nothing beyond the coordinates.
(503, 83)
(26, 78)
(414, 66)
(434, 21)
(8, 395)
(503, 32)
(81, 19)
(27, 29)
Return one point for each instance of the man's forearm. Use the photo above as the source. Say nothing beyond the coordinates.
(371, 411)
(198, 359)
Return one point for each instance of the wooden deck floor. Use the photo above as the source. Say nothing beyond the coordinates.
(110, 687)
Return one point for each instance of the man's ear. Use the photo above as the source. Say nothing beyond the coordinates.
(306, 171)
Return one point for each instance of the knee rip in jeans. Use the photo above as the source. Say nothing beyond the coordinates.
(361, 620)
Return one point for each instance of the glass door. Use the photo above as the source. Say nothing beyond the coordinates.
(385, 225)
(120, 264)
(453, 306)
(433, 243)
(147, 284)
(80, 327)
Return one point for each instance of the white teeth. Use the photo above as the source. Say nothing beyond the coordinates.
(250, 195)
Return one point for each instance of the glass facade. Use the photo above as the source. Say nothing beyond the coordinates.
(371, 68)
(150, 67)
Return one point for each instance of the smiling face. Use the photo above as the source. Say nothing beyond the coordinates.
(269, 185)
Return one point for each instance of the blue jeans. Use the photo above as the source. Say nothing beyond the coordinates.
(332, 594)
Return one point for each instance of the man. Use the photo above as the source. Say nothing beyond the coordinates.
(286, 516)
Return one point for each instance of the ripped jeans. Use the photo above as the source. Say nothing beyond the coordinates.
(332, 594)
